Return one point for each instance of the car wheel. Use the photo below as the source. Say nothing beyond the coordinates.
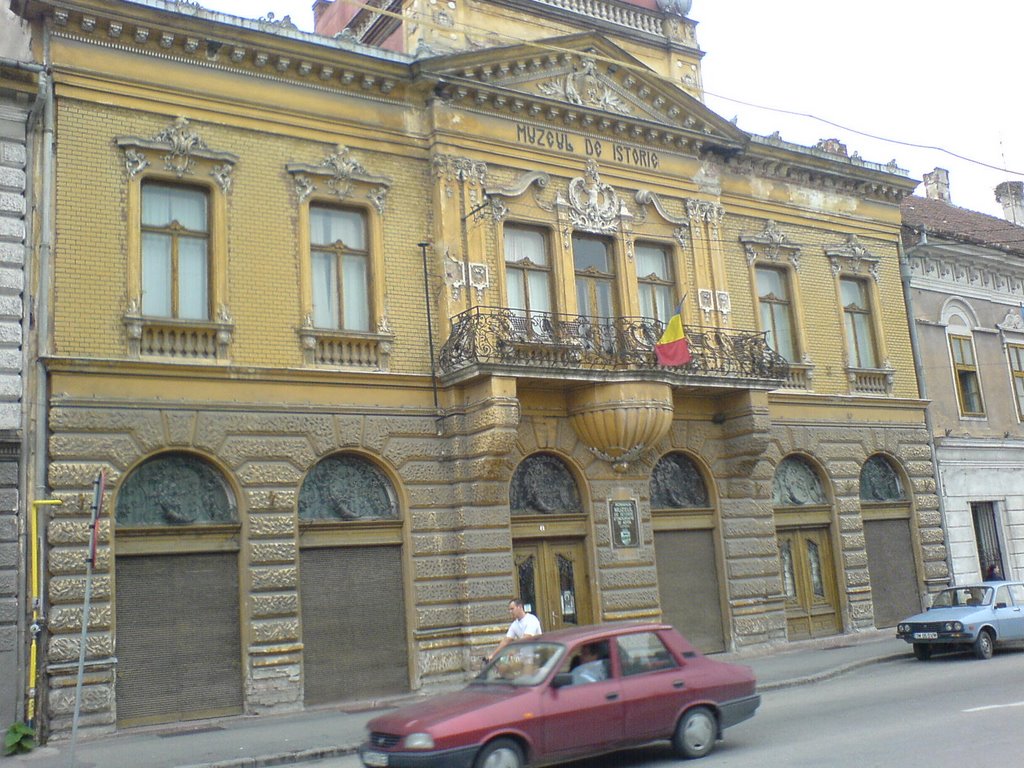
(983, 646)
(922, 651)
(500, 753)
(695, 734)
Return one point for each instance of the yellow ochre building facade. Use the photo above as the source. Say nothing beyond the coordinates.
(360, 330)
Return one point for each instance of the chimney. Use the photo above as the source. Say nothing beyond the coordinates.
(936, 185)
(1010, 195)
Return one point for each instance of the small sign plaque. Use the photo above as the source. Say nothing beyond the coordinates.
(625, 524)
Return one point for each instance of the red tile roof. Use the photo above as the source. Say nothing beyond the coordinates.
(945, 220)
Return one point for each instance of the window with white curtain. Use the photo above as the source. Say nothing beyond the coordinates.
(776, 309)
(656, 280)
(175, 252)
(340, 268)
(860, 334)
(527, 270)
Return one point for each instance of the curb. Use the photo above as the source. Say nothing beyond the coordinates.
(828, 674)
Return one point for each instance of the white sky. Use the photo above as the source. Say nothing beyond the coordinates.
(939, 73)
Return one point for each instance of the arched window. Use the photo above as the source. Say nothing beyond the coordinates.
(175, 489)
(879, 481)
(347, 487)
(676, 483)
(543, 485)
(796, 484)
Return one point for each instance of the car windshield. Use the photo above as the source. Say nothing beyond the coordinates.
(521, 664)
(961, 596)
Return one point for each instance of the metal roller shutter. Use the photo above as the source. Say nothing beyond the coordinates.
(688, 586)
(893, 574)
(353, 623)
(178, 638)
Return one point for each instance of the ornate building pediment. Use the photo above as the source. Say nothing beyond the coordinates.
(579, 76)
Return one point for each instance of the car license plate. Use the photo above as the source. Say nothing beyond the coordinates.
(375, 758)
(926, 635)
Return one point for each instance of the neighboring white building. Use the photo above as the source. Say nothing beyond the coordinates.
(966, 278)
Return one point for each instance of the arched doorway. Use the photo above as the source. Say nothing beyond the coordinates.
(803, 520)
(177, 622)
(350, 582)
(888, 538)
(685, 551)
(548, 542)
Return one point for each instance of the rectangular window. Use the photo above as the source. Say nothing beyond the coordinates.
(986, 534)
(595, 276)
(965, 372)
(175, 252)
(776, 310)
(656, 281)
(1016, 354)
(528, 273)
(340, 268)
(860, 334)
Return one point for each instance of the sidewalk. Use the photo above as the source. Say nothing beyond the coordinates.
(256, 742)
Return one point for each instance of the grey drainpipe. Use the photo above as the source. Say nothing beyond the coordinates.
(922, 387)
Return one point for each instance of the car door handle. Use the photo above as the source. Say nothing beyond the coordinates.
(678, 684)
(611, 696)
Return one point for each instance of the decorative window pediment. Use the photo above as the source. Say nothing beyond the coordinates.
(340, 173)
(852, 257)
(771, 244)
(180, 147)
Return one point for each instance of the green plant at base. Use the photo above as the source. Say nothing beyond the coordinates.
(20, 738)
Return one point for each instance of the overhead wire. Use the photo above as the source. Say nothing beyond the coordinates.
(423, 20)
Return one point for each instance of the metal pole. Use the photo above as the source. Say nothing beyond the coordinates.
(430, 323)
(97, 502)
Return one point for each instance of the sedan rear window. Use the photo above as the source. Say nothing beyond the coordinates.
(643, 652)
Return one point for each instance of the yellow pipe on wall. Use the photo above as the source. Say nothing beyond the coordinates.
(30, 707)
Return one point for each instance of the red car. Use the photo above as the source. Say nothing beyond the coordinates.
(571, 694)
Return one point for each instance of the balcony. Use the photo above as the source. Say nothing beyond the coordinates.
(546, 345)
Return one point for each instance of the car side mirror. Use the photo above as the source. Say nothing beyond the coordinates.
(1000, 605)
(561, 680)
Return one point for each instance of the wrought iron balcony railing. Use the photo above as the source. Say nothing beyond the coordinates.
(501, 336)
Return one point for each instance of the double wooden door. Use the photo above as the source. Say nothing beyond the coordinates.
(809, 583)
(554, 581)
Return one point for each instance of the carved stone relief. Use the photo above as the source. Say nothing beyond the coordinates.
(593, 206)
(181, 147)
(584, 87)
(853, 257)
(772, 244)
(340, 172)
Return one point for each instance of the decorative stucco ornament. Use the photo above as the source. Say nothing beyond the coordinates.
(595, 205)
(675, 7)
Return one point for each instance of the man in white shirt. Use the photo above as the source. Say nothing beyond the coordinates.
(524, 626)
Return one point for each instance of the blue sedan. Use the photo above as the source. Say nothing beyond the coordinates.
(972, 617)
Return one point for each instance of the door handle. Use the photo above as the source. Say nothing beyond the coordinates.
(611, 696)
(678, 684)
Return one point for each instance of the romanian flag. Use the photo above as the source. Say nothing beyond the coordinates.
(673, 348)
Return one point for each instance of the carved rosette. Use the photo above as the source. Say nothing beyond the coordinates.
(617, 422)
